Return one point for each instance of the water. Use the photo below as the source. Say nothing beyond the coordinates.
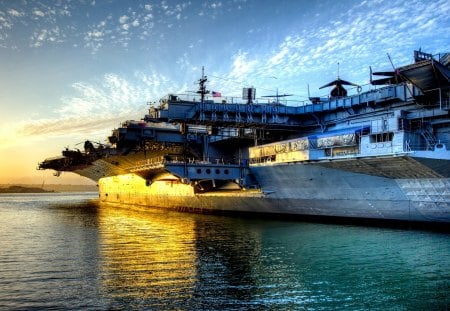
(63, 251)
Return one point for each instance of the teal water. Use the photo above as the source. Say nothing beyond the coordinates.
(67, 251)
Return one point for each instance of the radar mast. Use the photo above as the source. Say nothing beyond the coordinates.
(202, 86)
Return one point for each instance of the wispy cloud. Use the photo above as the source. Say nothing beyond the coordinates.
(357, 25)
(40, 19)
(68, 127)
(123, 19)
(42, 36)
(95, 108)
(15, 13)
(357, 38)
(38, 13)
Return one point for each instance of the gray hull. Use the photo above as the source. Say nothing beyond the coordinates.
(314, 190)
(296, 189)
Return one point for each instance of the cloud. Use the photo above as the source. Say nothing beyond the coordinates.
(68, 127)
(113, 95)
(39, 37)
(356, 38)
(95, 34)
(45, 35)
(5, 23)
(148, 17)
(242, 65)
(358, 26)
(123, 19)
(94, 108)
(216, 5)
(35, 20)
(15, 13)
(38, 13)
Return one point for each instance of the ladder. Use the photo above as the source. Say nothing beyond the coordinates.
(428, 135)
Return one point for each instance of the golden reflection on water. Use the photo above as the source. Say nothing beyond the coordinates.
(166, 258)
(57, 254)
(146, 253)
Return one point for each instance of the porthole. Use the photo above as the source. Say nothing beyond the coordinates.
(208, 171)
(217, 171)
(226, 171)
(199, 171)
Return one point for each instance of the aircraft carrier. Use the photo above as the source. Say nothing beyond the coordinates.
(381, 154)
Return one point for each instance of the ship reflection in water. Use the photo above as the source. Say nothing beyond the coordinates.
(170, 259)
(146, 256)
(57, 254)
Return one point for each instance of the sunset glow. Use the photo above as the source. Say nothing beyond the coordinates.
(74, 70)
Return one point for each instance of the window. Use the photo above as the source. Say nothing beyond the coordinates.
(382, 137)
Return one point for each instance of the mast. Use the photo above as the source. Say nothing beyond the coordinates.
(202, 86)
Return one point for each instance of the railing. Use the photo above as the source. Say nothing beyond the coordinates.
(160, 162)
(231, 100)
(147, 164)
(260, 108)
(372, 94)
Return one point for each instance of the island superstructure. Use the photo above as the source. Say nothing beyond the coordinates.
(378, 154)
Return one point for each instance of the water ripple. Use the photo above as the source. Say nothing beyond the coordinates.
(63, 251)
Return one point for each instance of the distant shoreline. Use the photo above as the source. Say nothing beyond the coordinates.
(21, 188)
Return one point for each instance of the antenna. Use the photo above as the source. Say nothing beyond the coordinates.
(393, 67)
(277, 96)
(202, 85)
(390, 60)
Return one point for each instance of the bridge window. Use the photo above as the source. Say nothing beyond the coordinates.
(382, 137)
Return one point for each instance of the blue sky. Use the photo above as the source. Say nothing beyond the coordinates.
(72, 70)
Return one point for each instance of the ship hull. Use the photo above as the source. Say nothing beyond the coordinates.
(295, 189)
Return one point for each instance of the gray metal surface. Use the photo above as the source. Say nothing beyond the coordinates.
(300, 190)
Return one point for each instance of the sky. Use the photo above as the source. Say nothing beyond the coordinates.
(74, 70)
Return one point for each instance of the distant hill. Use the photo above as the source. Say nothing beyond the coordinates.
(46, 188)
(20, 189)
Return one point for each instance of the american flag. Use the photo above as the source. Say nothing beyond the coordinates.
(216, 94)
